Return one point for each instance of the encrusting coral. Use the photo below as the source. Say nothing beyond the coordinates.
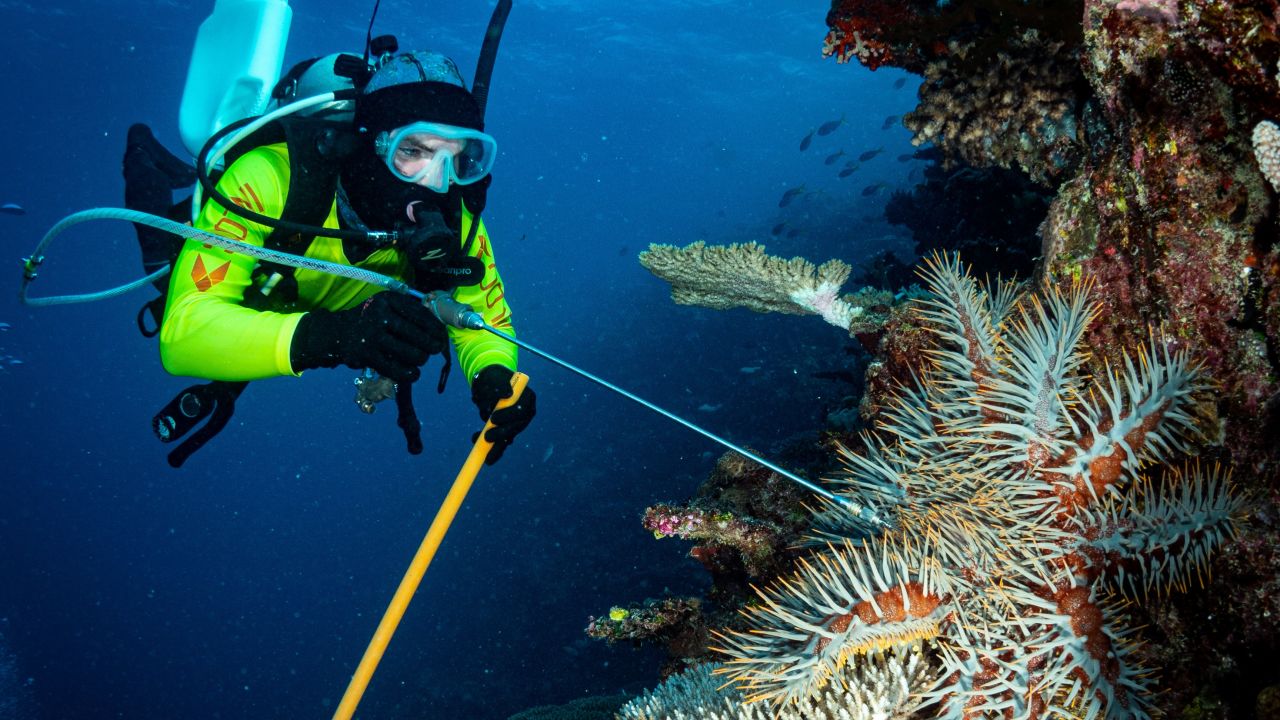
(1017, 524)
(674, 621)
(753, 541)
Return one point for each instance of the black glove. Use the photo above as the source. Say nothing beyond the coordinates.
(491, 385)
(391, 333)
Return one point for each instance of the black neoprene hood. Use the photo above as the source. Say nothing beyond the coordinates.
(393, 107)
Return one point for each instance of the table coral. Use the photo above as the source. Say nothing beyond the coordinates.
(743, 275)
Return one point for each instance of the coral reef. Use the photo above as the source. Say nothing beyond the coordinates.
(752, 541)
(677, 623)
(1165, 200)
(745, 520)
(1002, 79)
(1164, 213)
(1018, 526)
(1212, 648)
(1266, 150)
(1151, 119)
(1018, 113)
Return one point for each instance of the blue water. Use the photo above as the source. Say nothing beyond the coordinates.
(247, 584)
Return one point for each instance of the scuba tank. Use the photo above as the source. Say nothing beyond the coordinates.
(236, 61)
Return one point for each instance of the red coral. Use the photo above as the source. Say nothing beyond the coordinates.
(870, 31)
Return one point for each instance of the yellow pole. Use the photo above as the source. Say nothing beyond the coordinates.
(418, 567)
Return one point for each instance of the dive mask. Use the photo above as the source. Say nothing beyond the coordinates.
(434, 155)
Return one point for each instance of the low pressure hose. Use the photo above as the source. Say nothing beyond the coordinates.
(33, 261)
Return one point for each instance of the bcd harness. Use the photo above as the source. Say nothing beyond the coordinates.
(317, 149)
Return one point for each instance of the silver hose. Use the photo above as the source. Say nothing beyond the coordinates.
(186, 231)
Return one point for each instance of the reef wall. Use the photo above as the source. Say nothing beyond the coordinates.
(1148, 120)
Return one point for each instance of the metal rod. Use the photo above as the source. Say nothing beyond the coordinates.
(862, 511)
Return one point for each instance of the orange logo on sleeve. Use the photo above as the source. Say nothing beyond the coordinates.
(205, 279)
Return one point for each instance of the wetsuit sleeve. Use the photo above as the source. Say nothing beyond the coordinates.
(207, 333)
(477, 349)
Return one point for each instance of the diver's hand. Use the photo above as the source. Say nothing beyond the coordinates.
(391, 333)
(490, 385)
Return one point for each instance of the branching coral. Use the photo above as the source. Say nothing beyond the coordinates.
(1020, 525)
(1018, 113)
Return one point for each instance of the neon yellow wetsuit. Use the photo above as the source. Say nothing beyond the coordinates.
(207, 333)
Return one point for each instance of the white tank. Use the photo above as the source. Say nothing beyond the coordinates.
(236, 62)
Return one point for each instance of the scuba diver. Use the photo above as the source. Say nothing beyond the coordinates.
(393, 181)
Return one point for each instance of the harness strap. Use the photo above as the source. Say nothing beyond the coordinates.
(407, 418)
(156, 309)
(215, 400)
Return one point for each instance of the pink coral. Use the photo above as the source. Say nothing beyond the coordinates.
(1164, 12)
(754, 540)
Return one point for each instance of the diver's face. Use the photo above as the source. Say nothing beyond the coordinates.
(423, 156)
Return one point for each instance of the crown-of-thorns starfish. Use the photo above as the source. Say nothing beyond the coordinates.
(1019, 523)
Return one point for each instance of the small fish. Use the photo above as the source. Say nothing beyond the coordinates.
(777, 228)
(870, 154)
(897, 84)
(804, 144)
(748, 369)
(790, 195)
(708, 407)
(12, 209)
(873, 188)
(833, 157)
(906, 157)
(889, 122)
(848, 170)
(547, 455)
(5, 326)
(830, 126)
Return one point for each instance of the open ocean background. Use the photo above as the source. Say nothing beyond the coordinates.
(247, 584)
